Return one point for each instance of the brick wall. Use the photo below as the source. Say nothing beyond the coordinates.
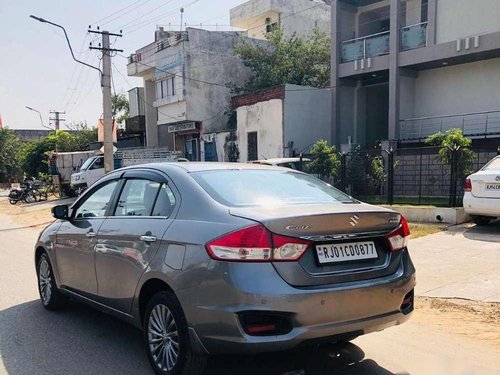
(258, 96)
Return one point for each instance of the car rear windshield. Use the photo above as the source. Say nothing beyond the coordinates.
(493, 165)
(266, 188)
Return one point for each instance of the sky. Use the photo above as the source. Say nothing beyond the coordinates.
(36, 68)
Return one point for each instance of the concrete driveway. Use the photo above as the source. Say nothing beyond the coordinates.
(462, 262)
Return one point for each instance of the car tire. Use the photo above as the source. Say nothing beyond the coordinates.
(166, 338)
(481, 220)
(51, 297)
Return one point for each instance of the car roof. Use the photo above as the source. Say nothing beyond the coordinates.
(210, 166)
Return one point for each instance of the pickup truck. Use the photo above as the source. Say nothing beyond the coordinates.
(63, 164)
(93, 168)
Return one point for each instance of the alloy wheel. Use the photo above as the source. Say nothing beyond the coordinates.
(45, 281)
(163, 338)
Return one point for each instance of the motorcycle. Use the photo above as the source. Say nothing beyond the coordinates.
(24, 193)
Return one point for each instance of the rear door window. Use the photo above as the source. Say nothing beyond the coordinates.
(137, 198)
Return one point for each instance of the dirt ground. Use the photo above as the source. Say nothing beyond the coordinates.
(24, 214)
(477, 320)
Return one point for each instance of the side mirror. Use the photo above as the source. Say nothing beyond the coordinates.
(61, 212)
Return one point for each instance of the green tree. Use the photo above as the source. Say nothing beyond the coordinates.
(84, 136)
(284, 60)
(10, 155)
(120, 108)
(325, 160)
(35, 154)
(453, 142)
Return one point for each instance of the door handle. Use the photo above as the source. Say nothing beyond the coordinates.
(91, 234)
(148, 238)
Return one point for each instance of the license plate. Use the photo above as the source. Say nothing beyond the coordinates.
(492, 186)
(344, 252)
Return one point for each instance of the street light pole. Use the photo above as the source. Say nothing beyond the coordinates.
(67, 40)
(39, 114)
(105, 84)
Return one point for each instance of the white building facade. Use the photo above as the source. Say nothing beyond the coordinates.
(301, 17)
(186, 89)
(281, 121)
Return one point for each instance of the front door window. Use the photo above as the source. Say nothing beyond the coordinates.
(97, 202)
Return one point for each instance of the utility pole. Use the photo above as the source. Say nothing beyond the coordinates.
(57, 118)
(106, 95)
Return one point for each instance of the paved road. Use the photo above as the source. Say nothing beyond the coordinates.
(80, 340)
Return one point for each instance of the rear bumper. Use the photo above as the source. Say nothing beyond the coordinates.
(481, 206)
(332, 313)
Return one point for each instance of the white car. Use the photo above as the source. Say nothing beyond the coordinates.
(292, 163)
(482, 193)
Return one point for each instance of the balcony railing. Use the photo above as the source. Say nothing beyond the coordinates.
(477, 124)
(414, 36)
(364, 47)
(174, 39)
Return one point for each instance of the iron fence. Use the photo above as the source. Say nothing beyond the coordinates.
(415, 176)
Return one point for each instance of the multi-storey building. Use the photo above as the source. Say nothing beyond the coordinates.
(186, 89)
(298, 17)
(402, 70)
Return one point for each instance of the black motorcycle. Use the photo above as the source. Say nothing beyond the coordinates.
(25, 193)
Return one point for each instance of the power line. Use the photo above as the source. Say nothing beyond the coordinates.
(141, 25)
(156, 108)
(145, 14)
(374, 79)
(130, 10)
(70, 82)
(143, 99)
(230, 34)
(117, 12)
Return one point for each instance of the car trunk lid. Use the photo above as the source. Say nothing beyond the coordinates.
(327, 226)
(486, 184)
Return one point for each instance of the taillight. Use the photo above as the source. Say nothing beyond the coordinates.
(256, 244)
(468, 185)
(398, 238)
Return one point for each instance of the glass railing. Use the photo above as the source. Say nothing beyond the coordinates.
(481, 124)
(367, 46)
(414, 36)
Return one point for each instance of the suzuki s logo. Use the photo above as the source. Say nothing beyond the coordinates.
(354, 220)
(497, 179)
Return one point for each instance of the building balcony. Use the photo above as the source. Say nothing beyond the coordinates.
(475, 125)
(142, 60)
(365, 47)
(414, 36)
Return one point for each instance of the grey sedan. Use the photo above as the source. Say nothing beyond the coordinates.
(213, 258)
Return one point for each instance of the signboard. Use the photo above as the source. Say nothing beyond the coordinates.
(181, 127)
(102, 149)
